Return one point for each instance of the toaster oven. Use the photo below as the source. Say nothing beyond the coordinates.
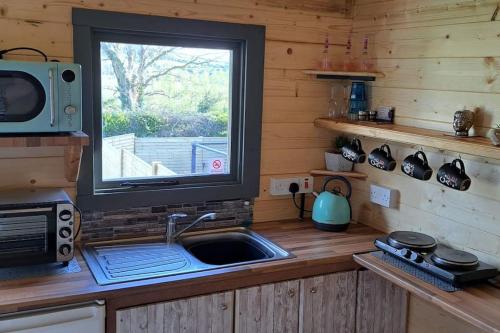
(36, 227)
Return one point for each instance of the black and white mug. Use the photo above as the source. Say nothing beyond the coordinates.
(381, 158)
(453, 175)
(416, 166)
(354, 152)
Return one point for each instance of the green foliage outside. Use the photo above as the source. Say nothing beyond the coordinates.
(164, 91)
(150, 124)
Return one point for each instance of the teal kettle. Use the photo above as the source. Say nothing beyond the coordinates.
(332, 210)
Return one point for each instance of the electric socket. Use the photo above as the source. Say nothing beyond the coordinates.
(281, 186)
(384, 196)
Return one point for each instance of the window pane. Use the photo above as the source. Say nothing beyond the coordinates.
(165, 111)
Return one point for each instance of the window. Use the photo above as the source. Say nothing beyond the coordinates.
(173, 108)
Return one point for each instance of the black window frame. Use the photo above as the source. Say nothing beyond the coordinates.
(247, 43)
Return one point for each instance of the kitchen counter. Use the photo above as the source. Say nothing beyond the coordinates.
(316, 253)
(479, 305)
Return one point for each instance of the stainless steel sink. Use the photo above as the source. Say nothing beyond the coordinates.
(194, 252)
(233, 246)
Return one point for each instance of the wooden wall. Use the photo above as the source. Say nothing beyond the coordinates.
(438, 56)
(295, 34)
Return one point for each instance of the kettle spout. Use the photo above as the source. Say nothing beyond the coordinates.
(315, 194)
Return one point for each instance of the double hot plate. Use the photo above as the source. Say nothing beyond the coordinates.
(421, 250)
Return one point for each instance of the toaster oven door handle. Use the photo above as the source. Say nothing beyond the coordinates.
(26, 210)
(52, 98)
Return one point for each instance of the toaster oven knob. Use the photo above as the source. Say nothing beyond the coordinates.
(65, 232)
(65, 249)
(70, 109)
(65, 215)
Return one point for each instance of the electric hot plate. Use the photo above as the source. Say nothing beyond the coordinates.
(422, 251)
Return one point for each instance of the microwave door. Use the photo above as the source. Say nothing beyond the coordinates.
(27, 236)
(28, 100)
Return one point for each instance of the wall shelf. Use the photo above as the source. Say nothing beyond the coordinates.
(73, 144)
(44, 140)
(350, 174)
(340, 75)
(477, 146)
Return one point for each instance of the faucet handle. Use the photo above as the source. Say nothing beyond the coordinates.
(175, 216)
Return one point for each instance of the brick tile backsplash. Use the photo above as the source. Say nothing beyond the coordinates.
(151, 221)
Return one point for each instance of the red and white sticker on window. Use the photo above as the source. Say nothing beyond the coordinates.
(216, 165)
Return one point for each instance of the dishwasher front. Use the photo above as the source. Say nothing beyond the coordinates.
(76, 318)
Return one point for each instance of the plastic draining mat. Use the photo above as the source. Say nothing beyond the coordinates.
(23, 272)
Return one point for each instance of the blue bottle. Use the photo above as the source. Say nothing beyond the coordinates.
(357, 100)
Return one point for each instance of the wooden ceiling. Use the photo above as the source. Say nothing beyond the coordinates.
(336, 6)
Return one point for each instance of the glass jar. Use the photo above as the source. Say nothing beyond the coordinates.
(336, 105)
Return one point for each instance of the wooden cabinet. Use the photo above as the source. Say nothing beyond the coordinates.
(328, 303)
(381, 305)
(207, 314)
(346, 302)
(268, 308)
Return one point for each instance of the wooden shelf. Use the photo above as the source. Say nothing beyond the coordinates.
(340, 75)
(350, 174)
(477, 305)
(73, 144)
(477, 146)
(44, 140)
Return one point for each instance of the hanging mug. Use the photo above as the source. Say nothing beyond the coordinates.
(381, 158)
(354, 152)
(416, 166)
(453, 175)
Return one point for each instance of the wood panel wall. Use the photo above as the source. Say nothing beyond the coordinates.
(438, 56)
(295, 33)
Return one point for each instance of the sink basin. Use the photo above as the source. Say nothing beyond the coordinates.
(194, 252)
(233, 246)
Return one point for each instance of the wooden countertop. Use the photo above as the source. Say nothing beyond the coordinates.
(316, 252)
(478, 305)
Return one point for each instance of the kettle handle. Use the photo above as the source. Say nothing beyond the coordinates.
(344, 180)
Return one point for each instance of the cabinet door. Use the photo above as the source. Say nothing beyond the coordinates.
(328, 303)
(268, 308)
(381, 306)
(210, 313)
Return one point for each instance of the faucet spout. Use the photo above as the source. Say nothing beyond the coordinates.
(209, 216)
(171, 236)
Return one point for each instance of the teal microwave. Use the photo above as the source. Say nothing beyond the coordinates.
(40, 97)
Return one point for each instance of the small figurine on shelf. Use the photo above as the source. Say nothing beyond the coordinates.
(326, 64)
(463, 120)
(349, 65)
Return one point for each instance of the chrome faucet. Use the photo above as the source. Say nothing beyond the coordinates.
(172, 236)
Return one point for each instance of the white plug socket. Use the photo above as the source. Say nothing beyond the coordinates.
(384, 196)
(281, 186)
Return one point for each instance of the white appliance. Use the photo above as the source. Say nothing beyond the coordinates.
(77, 318)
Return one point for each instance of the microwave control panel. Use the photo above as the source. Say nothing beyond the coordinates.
(65, 232)
(70, 100)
